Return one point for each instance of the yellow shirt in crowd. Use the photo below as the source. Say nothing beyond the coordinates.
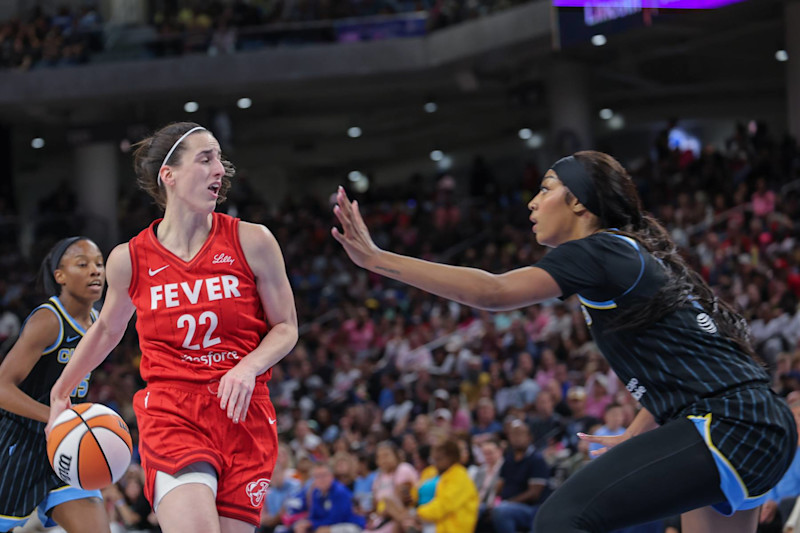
(454, 508)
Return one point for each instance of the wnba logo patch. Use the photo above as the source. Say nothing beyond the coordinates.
(257, 490)
(706, 323)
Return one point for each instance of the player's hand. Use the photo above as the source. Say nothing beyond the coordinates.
(768, 511)
(57, 406)
(355, 237)
(606, 442)
(235, 390)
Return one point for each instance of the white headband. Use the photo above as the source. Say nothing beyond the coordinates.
(169, 154)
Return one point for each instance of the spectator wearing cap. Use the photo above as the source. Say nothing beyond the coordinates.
(441, 399)
(443, 418)
(580, 421)
(524, 482)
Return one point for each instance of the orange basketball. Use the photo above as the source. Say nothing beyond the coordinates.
(89, 446)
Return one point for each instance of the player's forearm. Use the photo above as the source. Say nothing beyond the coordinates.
(90, 352)
(273, 347)
(469, 286)
(13, 400)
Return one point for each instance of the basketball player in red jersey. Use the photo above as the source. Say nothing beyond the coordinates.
(215, 312)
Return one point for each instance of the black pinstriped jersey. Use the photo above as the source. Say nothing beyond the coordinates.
(667, 365)
(48, 368)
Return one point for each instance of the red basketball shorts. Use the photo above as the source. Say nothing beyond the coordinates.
(180, 424)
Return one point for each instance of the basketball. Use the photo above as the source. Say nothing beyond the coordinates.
(89, 446)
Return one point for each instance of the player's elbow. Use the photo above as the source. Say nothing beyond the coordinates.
(493, 295)
(108, 332)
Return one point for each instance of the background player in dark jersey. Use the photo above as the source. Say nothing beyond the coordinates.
(73, 272)
(215, 312)
(720, 437)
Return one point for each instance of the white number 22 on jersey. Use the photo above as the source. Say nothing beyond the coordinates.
(189, 322)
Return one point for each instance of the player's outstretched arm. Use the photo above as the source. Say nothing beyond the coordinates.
(104, 334)
(470, 286)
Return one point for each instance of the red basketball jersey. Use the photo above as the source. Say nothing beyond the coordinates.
(195, 319)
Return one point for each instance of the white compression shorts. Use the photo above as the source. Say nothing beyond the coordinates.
(200, 472)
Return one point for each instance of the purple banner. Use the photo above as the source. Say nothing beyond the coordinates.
(671, 4)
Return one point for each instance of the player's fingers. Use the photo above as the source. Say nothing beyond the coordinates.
(237, 407)
(342, 200)
(246, 406)
(344, 220)
(591, 438)
(357, 214)
(224, 393)
(232, 401)
(596, 453)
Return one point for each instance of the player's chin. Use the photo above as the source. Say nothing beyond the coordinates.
(93, 291)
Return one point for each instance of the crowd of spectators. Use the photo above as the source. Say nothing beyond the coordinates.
(64, 36)
(41, 39)
(386, 380)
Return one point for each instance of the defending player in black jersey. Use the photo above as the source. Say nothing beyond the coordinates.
(74, 273)
(720, 438)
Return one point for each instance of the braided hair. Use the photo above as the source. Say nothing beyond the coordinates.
(620, 207)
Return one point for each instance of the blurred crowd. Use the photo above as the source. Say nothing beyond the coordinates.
(40, 37)
(390, 390)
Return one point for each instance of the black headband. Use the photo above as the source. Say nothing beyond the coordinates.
(58, 252)
(573, 175)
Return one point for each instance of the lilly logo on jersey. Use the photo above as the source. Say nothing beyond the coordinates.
(177, 294)
(636, 390)
(257, 490)
(211, 357)
(221, 259)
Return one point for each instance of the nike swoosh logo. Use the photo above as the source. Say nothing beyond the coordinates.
(271, 421)
(70, 339)
(156, 271)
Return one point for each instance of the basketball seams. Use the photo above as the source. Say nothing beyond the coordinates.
(94, 437)
(68, 442)
(128, 443)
